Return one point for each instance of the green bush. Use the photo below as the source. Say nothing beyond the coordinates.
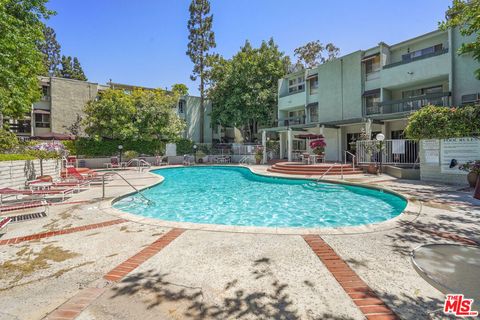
(130, 154)
(8, 141)
(184, 146)
(92, 147)
(433, 122)
(13, 157)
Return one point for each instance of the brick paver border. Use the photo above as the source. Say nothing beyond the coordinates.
(75, 305)
(120, 271)
(60, 232)
(362, 295)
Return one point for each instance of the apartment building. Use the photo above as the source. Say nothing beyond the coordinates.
(375, 89)
(62, 99)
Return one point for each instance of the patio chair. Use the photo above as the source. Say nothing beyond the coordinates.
(79, 184)
(3, 225)
(161, 161)
(26, 192)
(187, 161)
(114, 163)
(305, 158)
(23, 205)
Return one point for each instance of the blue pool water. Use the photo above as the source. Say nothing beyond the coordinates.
(236, 196)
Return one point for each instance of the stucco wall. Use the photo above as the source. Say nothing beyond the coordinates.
(192, 119)
(14, 174)
(68, 98)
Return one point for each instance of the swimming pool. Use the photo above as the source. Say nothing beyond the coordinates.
(236, 196)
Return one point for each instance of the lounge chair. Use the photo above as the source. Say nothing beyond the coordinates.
(3, 225)
(24, 205)
(26, 192)
(114, 163)
(161, 161)
(83, 183)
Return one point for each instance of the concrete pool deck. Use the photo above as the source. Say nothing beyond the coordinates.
(217, 274)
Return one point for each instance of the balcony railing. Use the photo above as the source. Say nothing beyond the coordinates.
(409, 104)
(286, 122)
(425, 56)
(286, 94)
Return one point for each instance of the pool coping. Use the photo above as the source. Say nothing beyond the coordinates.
(409, 214)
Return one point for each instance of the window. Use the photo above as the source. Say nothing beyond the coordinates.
(372, 102)
(313, 85)
(181, 106)
(296, 84)
(45, 93)
(42, 120)
(313, 113)
(421, 91)
(422, 52)
(372, 64)
(397, 134)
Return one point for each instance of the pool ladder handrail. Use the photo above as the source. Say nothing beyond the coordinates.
(244, 160)
(328, 170)
(123, 178)
(140, 163)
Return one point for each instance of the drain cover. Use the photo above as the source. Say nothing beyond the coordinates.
(28, 216)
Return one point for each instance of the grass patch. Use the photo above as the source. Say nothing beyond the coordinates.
(28, 261)
(13, 157)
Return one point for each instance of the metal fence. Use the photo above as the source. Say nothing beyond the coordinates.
(393, 152)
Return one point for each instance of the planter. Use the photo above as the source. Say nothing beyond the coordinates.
(472, 179)
(257, 161)
(372, 169)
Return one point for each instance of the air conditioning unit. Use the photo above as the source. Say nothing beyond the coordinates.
(473, 98)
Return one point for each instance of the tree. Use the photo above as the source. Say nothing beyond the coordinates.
(244, 89)
(180, 89)
(201, 40)
(111, 116)
(465, 14)
(78, 71)
(155, 115)
(311, 54)
(71, 69)
(20, 60)
(142, 115)
(50, 49)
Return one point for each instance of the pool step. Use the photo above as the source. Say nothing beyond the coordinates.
(319, 169)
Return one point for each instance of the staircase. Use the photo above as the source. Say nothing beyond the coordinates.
(317, 169)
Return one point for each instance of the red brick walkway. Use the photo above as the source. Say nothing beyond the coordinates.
(362, 295)
(127, 266)
(60, 232)
(79, 302)
(73, 307)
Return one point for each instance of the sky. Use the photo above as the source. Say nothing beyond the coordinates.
(143, 42)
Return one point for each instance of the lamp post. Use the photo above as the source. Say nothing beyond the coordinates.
(195, 153)
(380, 137)
(120, 148)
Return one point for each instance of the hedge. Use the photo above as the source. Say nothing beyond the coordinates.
(13, 157)
(433, 122)
(91, 147)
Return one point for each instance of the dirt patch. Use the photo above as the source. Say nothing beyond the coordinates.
(28, 261)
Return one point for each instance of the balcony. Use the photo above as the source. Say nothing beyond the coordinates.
(425, 56)
(410, 104)
(286, 122)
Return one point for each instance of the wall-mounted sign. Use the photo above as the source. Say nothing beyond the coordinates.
(457, 151)
(431, 151)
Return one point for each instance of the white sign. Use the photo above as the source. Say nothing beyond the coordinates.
(171, 150)
(457, 151)
(431, 150)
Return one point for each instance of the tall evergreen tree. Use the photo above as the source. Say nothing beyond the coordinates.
(201, 40)
(71, 69)
(51, 51)
(78, 71)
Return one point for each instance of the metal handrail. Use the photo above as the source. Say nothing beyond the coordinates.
(139, 162)
(131, 185)
(330, 168)
(353, 158)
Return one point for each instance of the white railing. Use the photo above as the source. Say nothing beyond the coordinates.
(353, 158)
(395, 152)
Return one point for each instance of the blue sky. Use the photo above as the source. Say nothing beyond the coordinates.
(143, 42)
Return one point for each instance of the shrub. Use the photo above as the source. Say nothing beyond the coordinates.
(14, 157)
(433, 122)
(96, 148)
(184, 146)
(8, 141)
(130, 154)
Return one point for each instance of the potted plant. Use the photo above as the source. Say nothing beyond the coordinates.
(258, 155)
(473, 169)
(372, 149)
(318, 147)
(200, 156)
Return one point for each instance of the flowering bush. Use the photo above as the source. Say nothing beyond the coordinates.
(318, 145)
(471, 166)
(47, 150)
